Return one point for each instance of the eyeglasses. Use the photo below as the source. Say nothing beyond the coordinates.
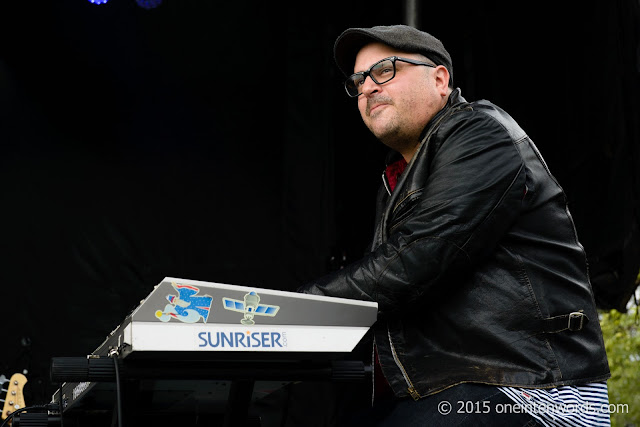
(380, 72)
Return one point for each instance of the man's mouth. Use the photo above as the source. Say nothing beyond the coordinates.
(375, 106)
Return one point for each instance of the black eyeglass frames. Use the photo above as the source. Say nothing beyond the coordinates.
(380, 72)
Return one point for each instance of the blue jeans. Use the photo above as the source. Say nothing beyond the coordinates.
(471, 405)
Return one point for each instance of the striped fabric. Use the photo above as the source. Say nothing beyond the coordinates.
(584, 405)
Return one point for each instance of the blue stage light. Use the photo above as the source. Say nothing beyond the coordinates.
(149, 4)
(98, 1)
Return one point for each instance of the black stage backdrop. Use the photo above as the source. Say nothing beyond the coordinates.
(213, 141)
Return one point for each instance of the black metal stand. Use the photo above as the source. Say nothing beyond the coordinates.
(237, 412)
(242, 375)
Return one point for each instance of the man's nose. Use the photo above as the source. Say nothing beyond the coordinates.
(369, 86)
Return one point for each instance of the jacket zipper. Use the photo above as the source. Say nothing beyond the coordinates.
(411, 389)
(373, 371)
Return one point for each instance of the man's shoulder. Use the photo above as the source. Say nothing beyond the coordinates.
(484, 110)
(477, 127)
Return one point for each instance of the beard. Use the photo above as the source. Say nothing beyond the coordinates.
(385, 124)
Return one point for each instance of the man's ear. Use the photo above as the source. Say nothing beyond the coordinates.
(441, 74)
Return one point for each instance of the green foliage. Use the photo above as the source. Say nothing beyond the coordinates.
(622, 340)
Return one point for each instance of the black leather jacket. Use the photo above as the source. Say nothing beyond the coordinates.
(476, 265)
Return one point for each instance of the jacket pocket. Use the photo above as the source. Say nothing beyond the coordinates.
(402, 210)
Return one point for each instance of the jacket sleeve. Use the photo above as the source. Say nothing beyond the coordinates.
(472, 195)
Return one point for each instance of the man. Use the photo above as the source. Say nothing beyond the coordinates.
(483, 290)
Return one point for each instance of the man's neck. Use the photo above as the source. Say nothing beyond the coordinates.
(411, 150)
(409, 153)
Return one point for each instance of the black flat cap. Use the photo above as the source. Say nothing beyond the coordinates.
(401, 37)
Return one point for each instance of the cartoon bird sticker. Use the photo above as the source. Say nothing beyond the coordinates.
(187, 306)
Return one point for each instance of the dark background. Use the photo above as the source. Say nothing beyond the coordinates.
(213, 141)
